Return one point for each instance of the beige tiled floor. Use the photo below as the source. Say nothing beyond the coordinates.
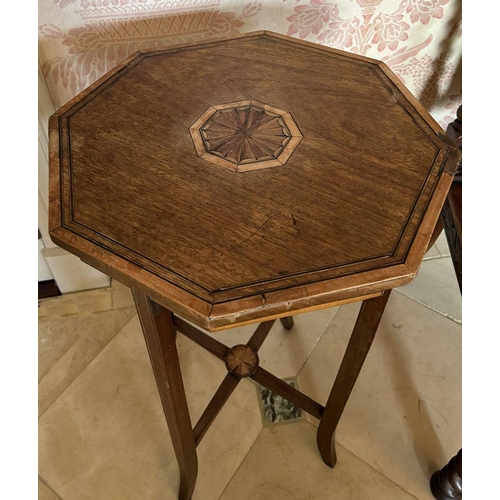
(102, 434)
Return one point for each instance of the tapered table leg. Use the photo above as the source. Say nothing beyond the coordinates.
(159, 334)
(354, 357)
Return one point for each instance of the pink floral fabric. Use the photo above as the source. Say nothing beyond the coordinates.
(389, 31)
(80, 40)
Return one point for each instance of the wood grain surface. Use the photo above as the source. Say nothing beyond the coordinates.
(349, 214)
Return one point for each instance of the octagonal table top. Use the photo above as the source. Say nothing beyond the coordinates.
(248, 178)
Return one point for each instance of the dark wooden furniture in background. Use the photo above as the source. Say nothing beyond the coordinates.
(242, 180)
(446, 484)
(48, 289)
(451, 215)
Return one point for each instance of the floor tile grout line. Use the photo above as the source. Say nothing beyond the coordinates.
(241, 463)
(76, 315)
(317, 341)
(447, 316)
(56, 360)
(76, 292)
(88, 364)
(435, 257)
(70, 295)
(44, 481)
(113, 298)
(369, 465)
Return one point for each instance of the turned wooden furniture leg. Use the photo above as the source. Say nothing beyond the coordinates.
(446, 484)
(159, 334)
(361, 339)
(287, 322)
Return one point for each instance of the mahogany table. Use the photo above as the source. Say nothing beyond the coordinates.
(243, 180)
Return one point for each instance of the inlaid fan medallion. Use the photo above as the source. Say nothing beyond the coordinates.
(245, 135)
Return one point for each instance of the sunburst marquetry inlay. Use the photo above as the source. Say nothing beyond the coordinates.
(246, 135)
(242, 361)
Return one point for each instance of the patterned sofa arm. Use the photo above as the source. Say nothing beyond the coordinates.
(420, 40)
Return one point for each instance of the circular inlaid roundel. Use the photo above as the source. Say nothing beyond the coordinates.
(245, 135)
(242, 361)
